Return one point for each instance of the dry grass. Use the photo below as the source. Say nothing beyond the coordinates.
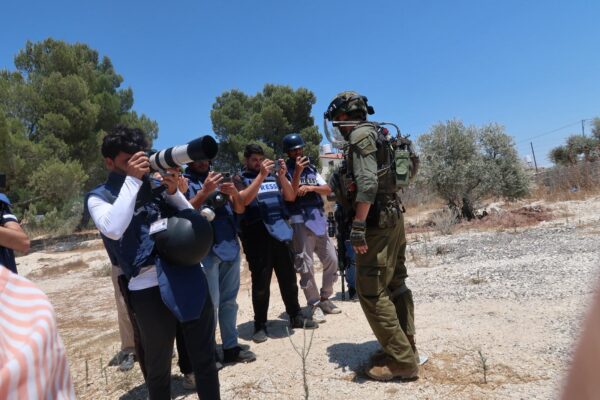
(103, 271)
(511, 219)
(464, 368)
(59, 269)
(575, 182)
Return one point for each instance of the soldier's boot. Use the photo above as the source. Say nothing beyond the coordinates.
(389, 369)
(379, 355)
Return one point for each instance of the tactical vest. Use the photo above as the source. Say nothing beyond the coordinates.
(135, 249)
(7, 256)
(268, 207)
(225, 243)
(386, 209)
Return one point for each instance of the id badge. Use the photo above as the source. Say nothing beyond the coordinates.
(158, 226)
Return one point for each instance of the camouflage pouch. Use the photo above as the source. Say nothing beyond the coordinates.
(389, 215)
(403, 166)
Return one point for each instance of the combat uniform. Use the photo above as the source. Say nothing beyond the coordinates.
(386, 300)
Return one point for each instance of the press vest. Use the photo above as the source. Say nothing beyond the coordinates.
(310, 206)
(225, 243)
(135, 249)
(268, 207)
(182, 289)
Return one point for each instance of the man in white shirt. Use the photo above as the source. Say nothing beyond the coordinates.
(124, 209)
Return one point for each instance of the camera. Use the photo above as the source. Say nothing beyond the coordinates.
(214, 201)
(203, 148)
(226, 177)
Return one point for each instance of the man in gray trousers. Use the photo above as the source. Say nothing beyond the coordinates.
(309, 223)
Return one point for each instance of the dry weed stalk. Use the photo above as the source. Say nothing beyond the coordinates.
(484, 365)
(303, 353)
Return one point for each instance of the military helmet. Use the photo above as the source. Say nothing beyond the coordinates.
(348, 102)
(187, 239)
(292, 141)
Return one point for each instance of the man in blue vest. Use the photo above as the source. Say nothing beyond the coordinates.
(162, 296)
(266, 238)
(12, 236)
(222, 264)
(308, 220)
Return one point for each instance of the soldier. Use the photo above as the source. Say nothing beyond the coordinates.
(369, 188)
(309, 223)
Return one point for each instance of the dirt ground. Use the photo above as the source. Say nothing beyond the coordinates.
(498, 309)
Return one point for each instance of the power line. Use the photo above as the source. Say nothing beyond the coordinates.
(553, 130)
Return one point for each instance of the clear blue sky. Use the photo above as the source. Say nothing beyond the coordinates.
(532, 66)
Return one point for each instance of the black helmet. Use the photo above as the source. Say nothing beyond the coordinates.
(292, 141)
(348, 102)
(187, 239)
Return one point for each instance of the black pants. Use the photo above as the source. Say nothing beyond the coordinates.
(158, 327)
(183, 360)
(265, 254)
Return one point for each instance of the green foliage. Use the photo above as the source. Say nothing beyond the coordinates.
(55, 222)
(596, 128)
(56, 182)
(239, 119)
(463, 163)
(577, 148)
(54, 110)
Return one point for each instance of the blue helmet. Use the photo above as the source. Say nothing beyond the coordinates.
(292, 141)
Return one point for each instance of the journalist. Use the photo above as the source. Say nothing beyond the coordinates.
(127, 211)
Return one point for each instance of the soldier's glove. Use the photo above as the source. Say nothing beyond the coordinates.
(357, 234)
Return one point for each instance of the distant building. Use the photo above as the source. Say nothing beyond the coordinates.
(329, 160)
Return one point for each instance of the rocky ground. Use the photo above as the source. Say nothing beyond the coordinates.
(498, 309)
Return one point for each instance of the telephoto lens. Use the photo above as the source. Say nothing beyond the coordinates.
(203, 148)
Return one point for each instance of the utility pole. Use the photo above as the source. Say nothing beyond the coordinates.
(534, 162)
(583, 127)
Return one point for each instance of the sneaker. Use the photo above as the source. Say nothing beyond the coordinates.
(303, 323)
(389, 369)
(328, 307)
(189, 381)
(317, 314)
(260, 336)
(238, 355)
(127, 363)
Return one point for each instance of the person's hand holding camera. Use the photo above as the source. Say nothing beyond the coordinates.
(282, 170)
(184, 184)
(212, 182)
(138, 165)
(229, 189)
(266, 167)
(301, 163)
(171, 180)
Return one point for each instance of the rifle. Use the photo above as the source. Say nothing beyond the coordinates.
(340, 220)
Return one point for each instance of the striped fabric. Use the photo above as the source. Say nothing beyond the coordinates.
(33, 363)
